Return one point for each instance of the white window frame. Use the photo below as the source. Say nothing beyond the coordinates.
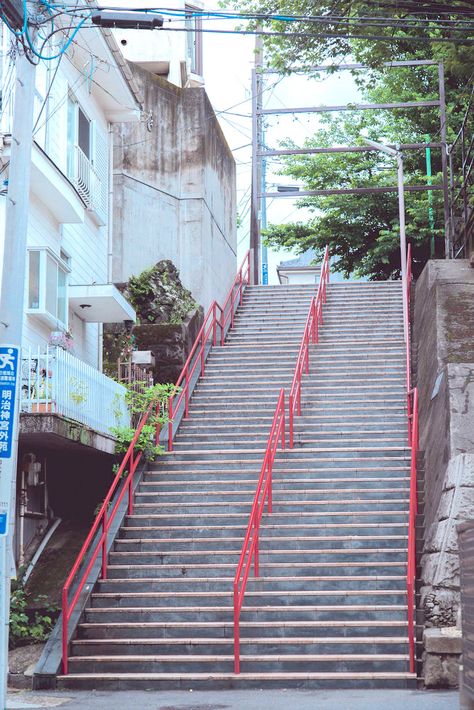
(193, 39)
(42, 308)
(88, 173)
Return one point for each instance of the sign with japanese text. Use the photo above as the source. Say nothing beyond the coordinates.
(9, 358)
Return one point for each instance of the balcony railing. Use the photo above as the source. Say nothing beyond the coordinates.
(85, 179)
(55, 381)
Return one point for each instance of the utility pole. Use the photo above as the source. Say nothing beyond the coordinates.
(263, 225)
(429, 179)
(257, 86)
(11, 324)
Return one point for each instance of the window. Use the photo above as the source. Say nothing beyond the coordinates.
(193, 26)
(88, 159)
(47, 286)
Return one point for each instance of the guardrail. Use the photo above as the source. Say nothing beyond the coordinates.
(218, 321)
(250, 548)
(97, 539)
(57, 382)
(310, 335)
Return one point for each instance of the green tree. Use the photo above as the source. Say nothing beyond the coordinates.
(362, 230)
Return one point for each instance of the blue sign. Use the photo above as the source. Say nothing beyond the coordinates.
(265, 274)
(8, 377)
(9, 358)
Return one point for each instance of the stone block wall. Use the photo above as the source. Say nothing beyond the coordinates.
(444, 341)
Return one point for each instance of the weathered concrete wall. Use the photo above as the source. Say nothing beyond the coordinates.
(174, 191)
(444, 341)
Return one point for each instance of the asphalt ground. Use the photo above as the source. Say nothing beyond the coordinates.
(237, 700)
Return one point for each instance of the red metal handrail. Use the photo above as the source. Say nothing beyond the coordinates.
(413, 435)
(216, 317)
(406, 330)
(310, 334)
(250, 547)
(102, 522)
(131, 459)
(411, 561)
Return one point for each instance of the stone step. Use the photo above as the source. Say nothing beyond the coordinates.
(324, 599)
(333, 583)
(216, 629)
(132, 529)
(234, 544)
(355, 663)
(191, 570)
(213, 681)
(276, 645)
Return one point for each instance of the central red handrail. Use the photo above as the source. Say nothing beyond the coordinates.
(216, 317)
(310, 335)
(250, 547)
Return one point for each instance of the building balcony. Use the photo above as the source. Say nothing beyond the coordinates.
(55, 382)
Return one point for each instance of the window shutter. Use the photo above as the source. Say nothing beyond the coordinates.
(100, 162)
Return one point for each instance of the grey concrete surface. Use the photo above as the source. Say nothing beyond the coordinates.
(238, 699)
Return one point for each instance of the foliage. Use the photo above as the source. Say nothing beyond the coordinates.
(158, 295)
(362, 230)
(28, 626)
(140, 397)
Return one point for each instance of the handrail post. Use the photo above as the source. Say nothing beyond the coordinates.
(270, 483)
(290, 419)
(222, 326)
(241, 290)
(130, 484)
(232, 301)
(214, 324)
(203, 352)
(186, 393)
(313, 310)
(170, 424)
(256, 567)
(104, 544)
(283, 423)
(65, 631)
(299, 396)
(236, 630)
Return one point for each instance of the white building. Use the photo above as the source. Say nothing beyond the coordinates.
(171, 53)
(68, 405)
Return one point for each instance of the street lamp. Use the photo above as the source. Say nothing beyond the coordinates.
(397, 153)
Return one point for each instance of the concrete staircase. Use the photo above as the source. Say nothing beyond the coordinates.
(329, 609)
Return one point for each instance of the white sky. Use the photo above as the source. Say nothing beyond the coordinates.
(228, 61)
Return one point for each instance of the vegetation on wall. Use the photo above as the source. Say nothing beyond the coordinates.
(158, 295)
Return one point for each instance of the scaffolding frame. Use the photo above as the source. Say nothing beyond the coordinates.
(260, 153)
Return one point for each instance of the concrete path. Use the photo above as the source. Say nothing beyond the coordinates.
(238, 700)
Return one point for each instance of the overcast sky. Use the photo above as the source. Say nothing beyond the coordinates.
(228, 61)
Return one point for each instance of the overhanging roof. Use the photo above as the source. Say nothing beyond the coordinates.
(100, 303)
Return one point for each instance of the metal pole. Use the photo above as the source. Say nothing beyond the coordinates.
(448, 237)
(403, 240)
(11, 309)
(257, 82)
(264, 214)
(430, 198)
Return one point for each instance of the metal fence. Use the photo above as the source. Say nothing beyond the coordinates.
(55, 381)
